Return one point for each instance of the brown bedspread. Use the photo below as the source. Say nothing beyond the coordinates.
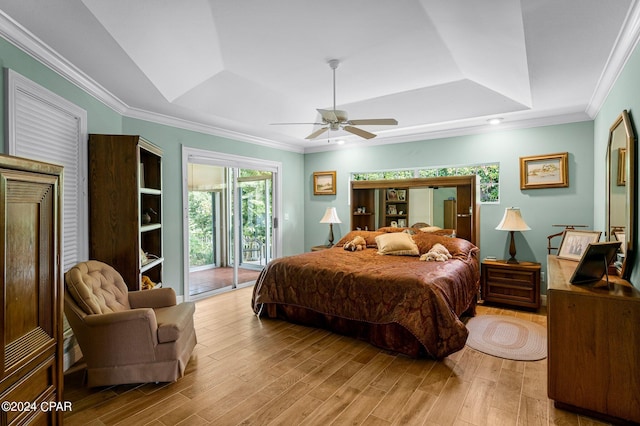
(425, 298)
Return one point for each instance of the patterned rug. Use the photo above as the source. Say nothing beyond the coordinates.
(507, 337)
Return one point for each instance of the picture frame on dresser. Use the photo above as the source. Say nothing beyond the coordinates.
(575, 242)
(595, 262)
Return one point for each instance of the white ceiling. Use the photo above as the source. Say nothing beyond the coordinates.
(438, 67)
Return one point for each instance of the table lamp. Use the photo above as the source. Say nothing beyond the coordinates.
(512, 221)
(330, 217)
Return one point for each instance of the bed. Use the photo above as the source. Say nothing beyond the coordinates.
(396, 302)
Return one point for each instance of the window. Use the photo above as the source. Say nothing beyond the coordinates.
(488, 176)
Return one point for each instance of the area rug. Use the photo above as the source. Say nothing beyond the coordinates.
(507, 337)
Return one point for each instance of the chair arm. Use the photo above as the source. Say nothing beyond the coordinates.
(154, 298)
(119, 338)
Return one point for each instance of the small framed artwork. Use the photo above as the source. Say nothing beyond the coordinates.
(392, 194)
(392, 209)
(402, 194)
(324, 183)
(544, 171)
(574, 243)
(402, 223)
(622, 237)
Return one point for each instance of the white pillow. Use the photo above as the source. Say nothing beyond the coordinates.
(397, 243)
(430, 229)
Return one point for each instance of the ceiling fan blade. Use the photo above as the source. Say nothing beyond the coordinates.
(359, 132)
(328, 115)
(374, 121)
(289, 124)
(317, 133)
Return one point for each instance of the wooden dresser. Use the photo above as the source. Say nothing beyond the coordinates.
(594, 345)
(31, 288)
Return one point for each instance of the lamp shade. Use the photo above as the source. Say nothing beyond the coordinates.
(512, 221)
(330, 216)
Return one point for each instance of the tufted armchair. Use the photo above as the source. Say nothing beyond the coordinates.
(127, 337)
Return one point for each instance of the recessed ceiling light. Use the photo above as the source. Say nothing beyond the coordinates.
(340, 142)
(494, 121)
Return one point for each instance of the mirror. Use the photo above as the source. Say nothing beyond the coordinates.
(428, 205)
(620, 189)
(450, 202)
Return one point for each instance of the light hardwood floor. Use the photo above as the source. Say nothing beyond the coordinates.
(249, 371)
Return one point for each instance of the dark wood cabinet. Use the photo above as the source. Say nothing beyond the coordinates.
(514, 284)
(594, 341)
(31, 323)
(125, 206)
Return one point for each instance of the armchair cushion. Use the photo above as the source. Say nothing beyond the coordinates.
(97, 288)
(174, 320)
(158, 298)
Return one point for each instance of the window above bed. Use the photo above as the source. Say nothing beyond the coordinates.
(488, 175)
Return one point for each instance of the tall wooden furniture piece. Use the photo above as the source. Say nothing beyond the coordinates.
(515, 284)
(594, 338)
(366, 193)
(125, 192)
(31, 294)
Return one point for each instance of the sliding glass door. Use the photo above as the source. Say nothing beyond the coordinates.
(255, 217)
(230, 221)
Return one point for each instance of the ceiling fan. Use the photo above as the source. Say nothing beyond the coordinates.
(335, 119)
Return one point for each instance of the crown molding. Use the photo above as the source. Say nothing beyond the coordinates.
(208, 129)
(460, 129)
(26, 41)
(623, 48)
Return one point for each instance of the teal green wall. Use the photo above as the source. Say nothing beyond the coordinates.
(541, 208)
(625, 94)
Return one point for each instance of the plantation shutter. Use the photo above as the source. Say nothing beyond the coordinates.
(43, 126)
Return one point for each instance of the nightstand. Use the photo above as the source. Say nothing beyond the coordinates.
(318, 248)
(515, 284)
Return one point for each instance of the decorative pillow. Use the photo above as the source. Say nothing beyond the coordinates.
(430, 228)
(456, 246)
(397, 243)
(393, 229)
(369, 237)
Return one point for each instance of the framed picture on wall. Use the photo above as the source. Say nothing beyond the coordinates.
(574, 243)
(324, 183)
(544, 171)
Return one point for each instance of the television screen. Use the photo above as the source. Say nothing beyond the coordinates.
(594, 262)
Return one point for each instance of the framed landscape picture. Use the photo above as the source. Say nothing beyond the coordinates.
(544, 171)
(324, 183)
